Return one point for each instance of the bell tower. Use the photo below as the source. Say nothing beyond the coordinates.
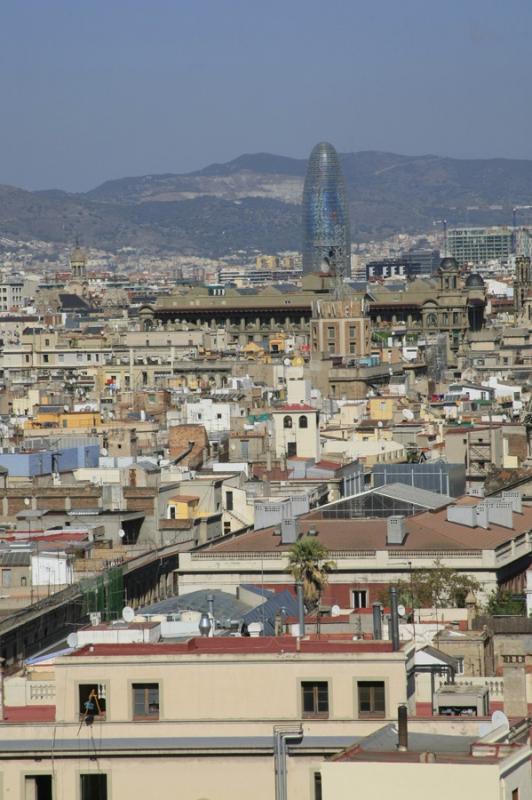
(522, 282)
(78, 263)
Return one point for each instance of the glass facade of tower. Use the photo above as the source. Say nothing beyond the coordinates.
(326, 234)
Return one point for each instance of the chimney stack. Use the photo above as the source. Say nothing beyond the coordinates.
(377, 621)
(394, 619)
(402, 717)
(300, 609)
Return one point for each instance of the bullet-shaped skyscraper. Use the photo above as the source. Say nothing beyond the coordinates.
(326, 234)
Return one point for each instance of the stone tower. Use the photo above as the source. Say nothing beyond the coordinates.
(78, 263)
(522, 283)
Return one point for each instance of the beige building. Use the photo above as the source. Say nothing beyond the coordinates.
(296, 431)
(200, 715)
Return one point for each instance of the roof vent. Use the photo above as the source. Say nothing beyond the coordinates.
(395, 530)
(517, 500)
(463, 515)
(289, 531)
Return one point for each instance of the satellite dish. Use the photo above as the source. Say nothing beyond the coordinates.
(401, 610)
(128, 614)
(287, 362)
(27, 501)
(72, 640)
(408, 414)
(121, 533)
(335, 611)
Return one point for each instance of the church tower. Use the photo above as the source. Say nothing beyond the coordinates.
(78, 263)
(522, 283)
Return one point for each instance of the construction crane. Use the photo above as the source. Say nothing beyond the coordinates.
(515, 209)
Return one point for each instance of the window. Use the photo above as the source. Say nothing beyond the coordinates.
(93, 786)
(352, 351)
(291, 449)
(38, 787)
(371, 701)
(352, 332)
(6, 577)
(317, 786)
(218, 416)
(303, 422)
(171, 512)
(515, 794)
(315, 696)
(330, 333)
(92, 700)
(287, 422)
(229, 501)
(227, 528)
(46, 358)
(145, 701)
(459, 665)
(360, 598)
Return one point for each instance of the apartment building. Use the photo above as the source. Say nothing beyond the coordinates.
(202, 715)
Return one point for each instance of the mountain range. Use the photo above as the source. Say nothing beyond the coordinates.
(253, 203)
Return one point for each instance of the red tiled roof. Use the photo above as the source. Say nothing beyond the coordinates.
(29, 714)
(225, 645)
(324, 464)
(426, 531)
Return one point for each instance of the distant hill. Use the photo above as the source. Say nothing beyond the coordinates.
(253, 202)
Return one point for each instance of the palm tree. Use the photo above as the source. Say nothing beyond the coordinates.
(307, 563)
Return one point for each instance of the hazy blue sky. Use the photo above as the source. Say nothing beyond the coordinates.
(98, 89)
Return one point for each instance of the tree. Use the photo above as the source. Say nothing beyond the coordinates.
(308, 564)
(439, 587)
(502, 601)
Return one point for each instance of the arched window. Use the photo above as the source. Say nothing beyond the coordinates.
(287, 422)
(303, 422)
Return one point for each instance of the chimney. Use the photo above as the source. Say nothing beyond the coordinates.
(516, 499)
(402, 718)
(300, 610)
(394, 620)
(288, 531)
(500, 512)
(514, 697)
(395, 530)
(377, 621)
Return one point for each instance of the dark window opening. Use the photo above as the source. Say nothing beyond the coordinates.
(146, 701)
(360, 598)
(315, 699)
(92, 701)
(287, 422)
(291, 449)
(93, 787)
(38, 787)
(303, 422)
(229, 501)
(371, 702)
(317, 786)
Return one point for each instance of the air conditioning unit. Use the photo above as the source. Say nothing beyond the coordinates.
(95, 617)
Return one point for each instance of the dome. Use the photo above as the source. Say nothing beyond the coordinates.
(448, 263)
(474, 281)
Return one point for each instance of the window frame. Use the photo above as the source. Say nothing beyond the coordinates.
(99, 717)
(316, 682)
(371, 679)
(106, 775)
(359, 591)
(146, 684)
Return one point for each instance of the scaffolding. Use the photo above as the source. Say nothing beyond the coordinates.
(104, 594)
